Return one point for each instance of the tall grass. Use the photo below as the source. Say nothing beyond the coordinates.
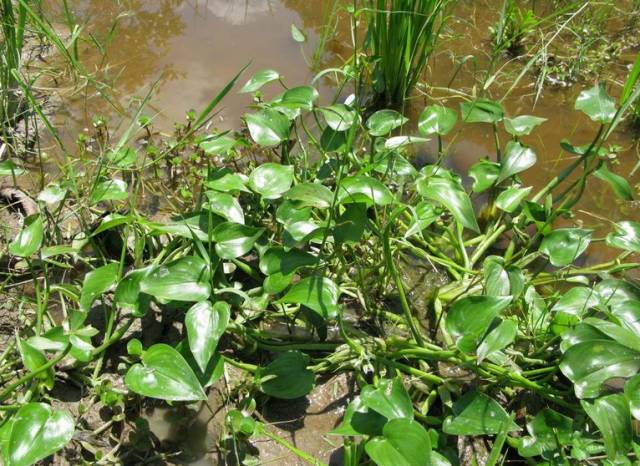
(402, 34)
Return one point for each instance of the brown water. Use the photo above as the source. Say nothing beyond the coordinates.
(192, 48)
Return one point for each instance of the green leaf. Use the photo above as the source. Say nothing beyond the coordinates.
(632, 392)
(268, 127)
(510, 199)
(96, 283)
(424, 214)
(477, 414)
(595, 359)
(113, 189)
(351, 224)
(468, 319)
(333, 141)
(383, 122)
(186, 279)
(449, 193)
(437, 119)
(517, 158)
(522, 125)
(29, 240)
(563, 246)
(205, 324)
(363, 189)
(287, 377)
(271, 180)
(37, 431)
(124, 157)
(339, 117)
(128, 296)
(318, 293)
(403, 443)
(389, 399)
(297, 34)
(234, 240)
(612, 416)
(33, 359)
(549, 431)
(619, 185)
(52, 194)
(224, 180)
(219, 144)
(280, 266)
(496, 278)
(497, 339)
(224, 205)
(298, 98)
(597, 104)
(481, 111)
(399, 142)
(259, 79)
(577, 301)
(484, 174)
(164, 374)
(311, 195)
(626, 236)
(8, 168)
(359, 420)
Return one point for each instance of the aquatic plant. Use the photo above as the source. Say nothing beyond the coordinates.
(401, 35)
(514, 25)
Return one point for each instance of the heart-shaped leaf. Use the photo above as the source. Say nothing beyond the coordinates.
(364, 189)
(383, 122)
(497, 339)
(481, 111)
(296, 99)
(287, 377)
(449, 193)
(113, 189)
(619, 185)
(234, 240)
(549, 431)
(403, 442)
(318, 293)
(164, 374)
(219, 144)
(389, 398)
(563, 246)
(29, 240)
(469, 319)
(522, 125)
(226, 181)
(280, 266)
(517, 158)
(37, 431)
(437, 119)
(597, 104)
(484, 174)
(271, 180)
(477, 414)
(339, 117)
(359, 420)
(311, 195)
(205, 324)
(260, 79)
(612, 416)
(510, 199)
(186, 279)
(96, 283)
(268, 127)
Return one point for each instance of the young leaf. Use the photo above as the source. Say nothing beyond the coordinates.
(259, 79)
(113, 189)
(522, 125)
(477, 414)
(563, 246)
(383, 122)
(271, 180)
(29, 240)
(225, 205)
(597, 104)
(619, 185)
(517, 158)
(37, 431)
(404, 442)
(437, 119)
(469, 319)
(287, 377)
(510, 199)
(164, 374)
(364, 189)
(311, 195)
(449, 193)
(339, 117)
(497, 339)
(297, 34)
(96, 283)
(205, 324)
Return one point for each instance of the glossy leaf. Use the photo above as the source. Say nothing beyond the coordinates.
(226, 181)
(185, 279)
(33, 359)
(359, 420)
(30, 238)
(110, 190)
(450, 194)
(563, 246)
(399, 142)
(632, 392)
(510, 199)
(268, 127)
(287, 377)
(484, 174)
(612, 416)
(234, 240)
(597, 104)
(496, 278)
(389, 398)
(626, 236)
(9, 168)
(219, 144)
(96, 283)
(437, 119)
(522, 125)
(280, 266)
(497, 339)
(225, 205)
(517, 158)
(403, 443)
(319, 294)
(52, 194)
(549, 431)
(364, 189)
(469, 319)
(382, 122)
(481, 111)
(205, 323)
(271, 180)
(339, 117)
(164, 374)
(311, 195)
(297, 34)
(37, 431)
(477, 414)
(295, 100)
(260, 79)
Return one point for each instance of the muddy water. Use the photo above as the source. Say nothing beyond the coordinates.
(191, 48)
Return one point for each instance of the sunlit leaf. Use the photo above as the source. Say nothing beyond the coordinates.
(319, 294)
(271, 180)
(260, 79)
(597, 104)
(403, 442)
(383, 122)
(29, 239)
(522, 125)
(517, 158)
(481, 111)
(563, 246)
(437, 119)
(268, 127)
(469, 319)
(186, 279)
(477, 414)
(205, 323)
